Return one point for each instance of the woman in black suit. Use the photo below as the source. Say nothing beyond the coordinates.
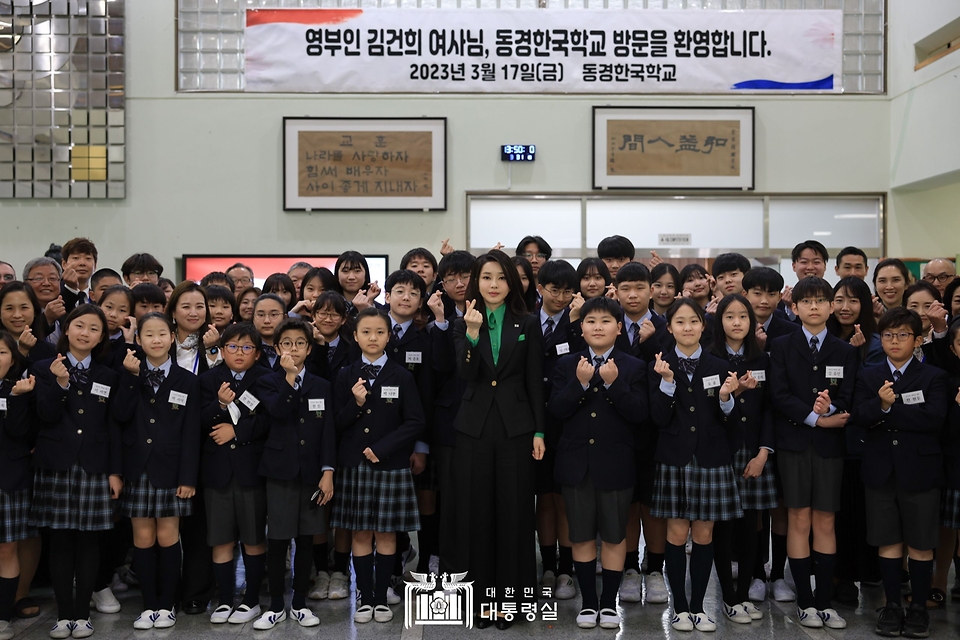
(499, 354)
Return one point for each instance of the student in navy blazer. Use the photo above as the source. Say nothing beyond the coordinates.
(329, 319)
(269, 310)
(762, 287)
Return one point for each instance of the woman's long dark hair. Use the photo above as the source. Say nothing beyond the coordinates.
(63, 345)
(187, 286)
(855, 288)
(530, 295)
(39, 324)
(750, 347)
(514, 301)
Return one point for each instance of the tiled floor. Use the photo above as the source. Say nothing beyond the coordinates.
(639, 620)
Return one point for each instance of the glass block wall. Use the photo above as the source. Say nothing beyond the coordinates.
(62, 99)
(210, 32)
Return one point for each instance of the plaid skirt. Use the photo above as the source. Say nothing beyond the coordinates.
(950, 508)
(140, 499)
(695, 493)
(371, 500)
(755, 493)
(15, 516)
(71, 499)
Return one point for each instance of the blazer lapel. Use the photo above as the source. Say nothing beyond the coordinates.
(907, 378)
(509, 334)
(486, 350)
(828, 347)
(385, 376)
(802, 346)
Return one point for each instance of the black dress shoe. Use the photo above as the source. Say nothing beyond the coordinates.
(480, 622)
(890, 623)
(194, 607)
(503, 623)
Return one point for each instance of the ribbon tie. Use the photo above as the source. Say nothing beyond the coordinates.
(736, 359)
(269, 350)
(78, 374)
(371, 370)
(689, 365)
(155, 377)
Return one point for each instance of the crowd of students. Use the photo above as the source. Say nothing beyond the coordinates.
(492, 403)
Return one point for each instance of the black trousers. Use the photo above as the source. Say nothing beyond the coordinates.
(447, 508)
(196, 584)
(496, 518)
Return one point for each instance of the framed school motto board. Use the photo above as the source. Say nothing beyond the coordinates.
(364, 163)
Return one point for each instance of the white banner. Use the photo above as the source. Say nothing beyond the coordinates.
(542, 51)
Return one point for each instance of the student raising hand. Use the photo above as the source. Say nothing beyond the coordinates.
(662, 367)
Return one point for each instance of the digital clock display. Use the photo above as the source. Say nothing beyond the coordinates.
(518, 152)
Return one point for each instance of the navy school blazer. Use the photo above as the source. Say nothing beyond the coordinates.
(301, 437)
(76, 426)
(779, 326)
(950, 440)
(344, 353)
(692, 423)
(599, 425)
(449, 387)
(389, 426)
(797, 378)
(514, 385)
(755, 408)
(906, 441)
(416, 344)
(162, 437)
(649, 348)
(16, 440)
(240, 458)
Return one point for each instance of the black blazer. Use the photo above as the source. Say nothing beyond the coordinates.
(951, 435)
(417, 344)
(514, 385)
(43, 350)
(599, 424)
(76, 426)
(779, 326)
(239, 459)
(389, 426)
(649, 348)
(795, 380)
(16, 440)
(264, 362)
(299, 441)
(906, 441)
(162, 438)
(71, 300)
(755, 408)
(692, 422)
(344, 353)
(449, 387)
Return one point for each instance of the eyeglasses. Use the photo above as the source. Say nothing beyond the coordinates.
(144, 274)
(942, 278)
(243, 280)
(41, 279)
(462, 278)
(531, 256)
(559, 293)
(273, 315)
(246, 349)
(809, 302)
(325, 315)
(290, 344)
(901, 336)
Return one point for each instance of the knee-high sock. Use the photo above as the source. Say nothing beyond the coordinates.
(385, 563)
(302, 561)
(363, 569)
(403, 544)
(800, 568)
(87, 559)
(611, 585)
(429, 537)
(8, 596)
(145, 566)
(778, 556)
(321, 552)
(565, 561)
(169, 563)
(701, 564)
(276, 572)
(675, 559)
(921, 574)
(723, 558)
(824, 568)
(61, 570)
(254, 568)
(587, 579)
(891, 572)
(548, 556)
(224, 574)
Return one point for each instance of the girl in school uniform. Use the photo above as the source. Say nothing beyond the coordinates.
(117, 306)
(753, 442)
(21, 316)
(77, 461)
(161, 460)
(665, 286)
(269, 311)
(500, 432)
(695, 284)
(281, 285)
(245, 300)
(223, 307)
(353, 278)
(691, 401)
(316, 282)
(16, 440)
(195, 337)
(379, 417)
(527, 281)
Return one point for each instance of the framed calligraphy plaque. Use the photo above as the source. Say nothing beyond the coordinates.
(364, 163)
(673, 148)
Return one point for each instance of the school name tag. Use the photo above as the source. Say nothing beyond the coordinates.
(912, 397)
(249, 400)
(760, 375)
(389, 392)
(835, 372)
(711, 382)
(414, 357)
(3, 404)
(177, 398)
(563, 348)
(100, 390)
(316, 404)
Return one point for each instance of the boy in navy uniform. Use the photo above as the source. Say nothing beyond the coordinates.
(762, 287)
(729, 270)
(902, 404)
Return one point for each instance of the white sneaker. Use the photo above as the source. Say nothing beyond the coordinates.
(809, 618)
(565, 589)
(117, 585)
(758, 590)
(62, 629)
(656, 588)
(363, 614)
(736, 613)
(782, 591)
(392, 597)
(105, 601)
(6, 630)
(269, 620)
(145, 620)
(752, 610)
(609, 619)
(221, 614)
(831, 619)
(339, 586)
(548, 584)
(702, 623)
(682, 621)
(382, 613)
(630, 586)
(165, 619)
(244, 614)
(305, 617)
(321, 587)
(587, 618)
(82, 629)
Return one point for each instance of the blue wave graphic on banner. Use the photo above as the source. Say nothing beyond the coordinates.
(822, 84)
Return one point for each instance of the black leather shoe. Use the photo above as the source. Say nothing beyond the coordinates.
(194, 607)
(890, 622)
(503, 623)
(481, 623)
(916, 624)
